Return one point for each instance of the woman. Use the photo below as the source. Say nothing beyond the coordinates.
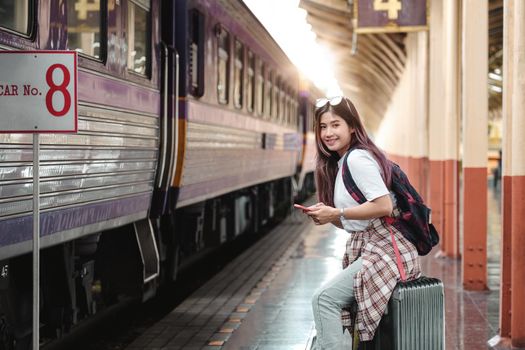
(370, 272)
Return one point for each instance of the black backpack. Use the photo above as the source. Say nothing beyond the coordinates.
(414, 219)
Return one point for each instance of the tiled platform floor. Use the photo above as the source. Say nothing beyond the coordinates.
(277, 312)
(210, 314)
(282, 318)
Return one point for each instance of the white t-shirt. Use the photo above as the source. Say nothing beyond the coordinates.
(367, 175)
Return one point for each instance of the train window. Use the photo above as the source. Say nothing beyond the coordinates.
(280, 104)
(281, 110)
(138, 36)
(295, 119)
(290, 107)
(223, 71)
(260, 87)
(196, 53)
(295, 114)
(287, 106)
(250, 84)
(85, 28)
(284, 99)
(276, 99)
(311, 109)
(291, 119)
(269, 95)
(15, 15)
(238, 75)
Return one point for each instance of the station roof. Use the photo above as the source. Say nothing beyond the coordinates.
(495, 56)
(370, 74)
(367, 76)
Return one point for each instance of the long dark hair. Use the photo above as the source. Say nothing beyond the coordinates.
(326, 165)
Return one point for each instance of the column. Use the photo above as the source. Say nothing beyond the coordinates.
(475, 142)
(436, 127)
(451, 121)
(506, 180)
(517, 174)
(419, 151)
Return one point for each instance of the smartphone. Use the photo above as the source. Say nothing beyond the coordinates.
(299, 206)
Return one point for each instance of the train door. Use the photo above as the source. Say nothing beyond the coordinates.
(165, 197)
(169, 112)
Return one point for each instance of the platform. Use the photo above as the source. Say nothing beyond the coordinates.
(261, 300)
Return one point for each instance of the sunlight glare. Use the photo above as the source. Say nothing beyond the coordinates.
(287, 24)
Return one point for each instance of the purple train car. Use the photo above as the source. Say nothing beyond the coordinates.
(192, 131)
(308, 94)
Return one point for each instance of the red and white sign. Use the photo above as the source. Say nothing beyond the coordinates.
(38, 91)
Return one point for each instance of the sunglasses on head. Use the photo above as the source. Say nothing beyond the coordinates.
(334, 101)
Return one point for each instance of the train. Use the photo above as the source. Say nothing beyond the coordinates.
(194, 128)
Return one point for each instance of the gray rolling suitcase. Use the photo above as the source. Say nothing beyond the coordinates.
(414, 319)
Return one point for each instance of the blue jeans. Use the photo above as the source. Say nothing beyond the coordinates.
(327, 302)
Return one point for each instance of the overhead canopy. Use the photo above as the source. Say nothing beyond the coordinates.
(370, 75)
(495, 56)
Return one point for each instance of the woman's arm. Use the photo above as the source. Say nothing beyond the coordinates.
(377, 208)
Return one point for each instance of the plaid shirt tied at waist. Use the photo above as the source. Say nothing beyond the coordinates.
(375, 282)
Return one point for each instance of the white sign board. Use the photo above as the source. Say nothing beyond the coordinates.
(38, 91)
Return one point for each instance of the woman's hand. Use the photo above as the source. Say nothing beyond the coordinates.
(322, 214)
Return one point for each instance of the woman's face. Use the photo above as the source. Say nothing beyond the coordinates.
(335, 133)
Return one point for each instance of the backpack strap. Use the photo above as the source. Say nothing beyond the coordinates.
(349, 182)
(358, 196)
